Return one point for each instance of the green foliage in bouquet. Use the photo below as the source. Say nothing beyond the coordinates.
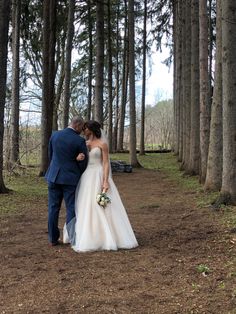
(103, 199)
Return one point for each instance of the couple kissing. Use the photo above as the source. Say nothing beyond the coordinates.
(78, 172)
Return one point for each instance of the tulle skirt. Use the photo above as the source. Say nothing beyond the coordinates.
(97, 228)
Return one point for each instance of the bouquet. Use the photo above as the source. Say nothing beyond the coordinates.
(103, 199)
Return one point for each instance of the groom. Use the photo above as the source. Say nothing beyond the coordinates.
(64, 173)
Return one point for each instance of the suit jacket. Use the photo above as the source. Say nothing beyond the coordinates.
(64, 146)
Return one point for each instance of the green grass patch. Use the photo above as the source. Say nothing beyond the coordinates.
(166, 162)
(203, 269)
(31, 159)
(230, 217)
(24, 189)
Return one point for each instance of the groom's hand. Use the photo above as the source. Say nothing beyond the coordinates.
(80, 157)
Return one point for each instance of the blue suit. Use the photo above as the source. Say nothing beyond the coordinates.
(63, 176)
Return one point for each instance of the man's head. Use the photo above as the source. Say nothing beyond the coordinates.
(77, 124)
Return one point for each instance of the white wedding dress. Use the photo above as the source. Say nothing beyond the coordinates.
(96, 228)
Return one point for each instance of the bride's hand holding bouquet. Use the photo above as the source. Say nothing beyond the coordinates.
(105, 187)
(102, 198)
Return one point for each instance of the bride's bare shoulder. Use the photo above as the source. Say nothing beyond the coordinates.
(101, 144)
(104, 146)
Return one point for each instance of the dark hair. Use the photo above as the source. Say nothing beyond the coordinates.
(94, 126)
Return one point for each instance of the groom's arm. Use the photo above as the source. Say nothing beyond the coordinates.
(84, 150)
(50, 150)
(50, 145)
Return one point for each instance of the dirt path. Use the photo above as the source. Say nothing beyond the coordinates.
(160, 276)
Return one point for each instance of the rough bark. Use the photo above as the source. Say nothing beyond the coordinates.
(110, 93)
(15, 115)
(90, 66)
(132, 140)
(179, 79)
(116, 118)
(4, 25)
(142, 131)
(214, 164)
(187, 85)
(187, 91)
(228, 189)
(183, 81)
(210, 53)
(181, 48)
(59, 92)
(98, 110)
(204, 89)
(195, 110)
(174, 40)
(125, 74)
(49, 41)
(70, 35)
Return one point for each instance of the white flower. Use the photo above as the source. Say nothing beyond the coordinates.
(102, 199)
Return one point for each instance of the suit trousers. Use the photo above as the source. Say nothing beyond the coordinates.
(56, 193)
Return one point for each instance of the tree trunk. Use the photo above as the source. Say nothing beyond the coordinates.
(110, 98)
(59, 59)
(186, 66)
(16, 9)
(142, 131)
(210, 54)
(179, 42)
(98, 110)
(70, 35)
(228, 189)
(90, 66)
(214, 164)
(183, 82)
(4, 25)
(116, 119)
(204, 89)
(49, 40)
(132, 141)
(195, 110)
(59, 91)
(181, 77)
(187, 91)
(125, 75)
(174, 41)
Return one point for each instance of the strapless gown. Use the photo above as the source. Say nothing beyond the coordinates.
(96, 228)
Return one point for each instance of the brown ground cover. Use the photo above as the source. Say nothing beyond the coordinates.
(162, 275)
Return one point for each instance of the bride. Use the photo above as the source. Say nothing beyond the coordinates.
(97, 228)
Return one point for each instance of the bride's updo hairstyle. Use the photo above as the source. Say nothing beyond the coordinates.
(94, 127)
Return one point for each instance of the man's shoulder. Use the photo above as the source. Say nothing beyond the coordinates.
(76, 137)
(63, 132)
(68, 133)
(56, 133)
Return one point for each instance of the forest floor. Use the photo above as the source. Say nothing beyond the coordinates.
(185, 262)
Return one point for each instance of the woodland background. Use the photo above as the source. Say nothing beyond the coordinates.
(68, 57)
